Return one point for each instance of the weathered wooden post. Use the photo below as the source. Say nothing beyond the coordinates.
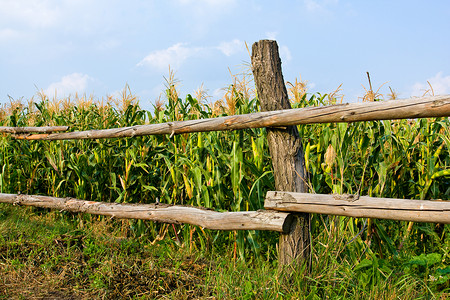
(285, 149)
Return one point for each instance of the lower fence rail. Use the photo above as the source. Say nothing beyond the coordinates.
(277, 216)
(159, 212)
(431, 211)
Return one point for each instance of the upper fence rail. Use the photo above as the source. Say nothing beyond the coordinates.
(21, 130)
(424, 107)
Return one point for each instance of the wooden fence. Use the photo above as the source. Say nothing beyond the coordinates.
(285, 209)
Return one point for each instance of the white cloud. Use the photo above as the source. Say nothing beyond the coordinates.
(230, 48)
(319, 6)
(215, 4)
(106, 44)
(218, 94)
(285, 54)
(69, 84)
(31, 13)
(440, 84)
(174, 56)
(177, 54)
(8, 34)
(33, 18)
(205, 11)
(312, 5)
(201, 14)
(271, 35)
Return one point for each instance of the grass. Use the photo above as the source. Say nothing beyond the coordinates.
(46, 255)
(80, 256)
(50, 255)
(57, 255)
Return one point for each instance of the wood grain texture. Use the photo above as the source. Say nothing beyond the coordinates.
(436, 106)
(431, 211)
(19, 130)
(244, 220)
(285, 148)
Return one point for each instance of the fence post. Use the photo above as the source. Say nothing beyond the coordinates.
(285, 149)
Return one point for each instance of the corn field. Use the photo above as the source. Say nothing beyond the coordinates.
(232, 171)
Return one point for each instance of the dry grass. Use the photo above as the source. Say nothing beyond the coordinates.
(370, 95)
(241, 88)
(392, 95)
(32, 283)
(126, 99)
(297, 90)
(94, 261)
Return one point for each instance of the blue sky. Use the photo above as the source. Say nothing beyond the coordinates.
(97, 47)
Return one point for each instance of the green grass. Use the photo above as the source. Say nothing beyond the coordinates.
(86, 256)
(48, 254)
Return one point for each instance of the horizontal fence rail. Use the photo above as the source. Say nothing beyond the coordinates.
(164, 213)
(436, 106)
(432, 211)
(45, 129)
